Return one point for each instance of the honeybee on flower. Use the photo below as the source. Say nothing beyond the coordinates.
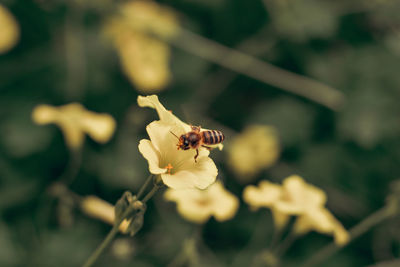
(196, 138)
(176, 168)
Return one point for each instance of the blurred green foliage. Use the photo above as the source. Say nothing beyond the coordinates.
(352, 154)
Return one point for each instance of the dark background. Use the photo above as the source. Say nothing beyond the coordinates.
(352, 153)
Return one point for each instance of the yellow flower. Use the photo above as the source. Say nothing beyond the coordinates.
(74, 121)
(199, 205)
(297, 198)
(322, 221)
(9, 33)
(266, 195)
(177, 168)
(256, 148)
(145, 59)
(102, 210)
(308, 201)
(148, 16)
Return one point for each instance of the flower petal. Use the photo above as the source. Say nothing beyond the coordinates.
(322, 221)
(341, 236)
(265, 195)
(101, 209)
(203, 173)
(100, 127)
(163, 139)
(165, 115)
(65, 118)
(73, 135)
(225, 204)
(10, 32)
(161, 136)
(151, 155)
(44, 114)
(190, 204)
(149, 16)
(302, 193)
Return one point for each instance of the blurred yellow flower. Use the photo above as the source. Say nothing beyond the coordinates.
(102, 210)
(266, 195)
(308, 201)
(199, 205)
(9, 33)
(177, 168)
(149, 16)
(145, 59)
(74, 121)
(322, 221)
(256, 148)
(296, 197)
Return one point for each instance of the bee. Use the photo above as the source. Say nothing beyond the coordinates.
(195, 139)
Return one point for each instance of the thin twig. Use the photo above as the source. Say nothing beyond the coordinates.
(361, 228)
(144, 186)
(110, 236)
(151, 193)
(73, 167)
(217, 81)
(259, 70)
(95, 255)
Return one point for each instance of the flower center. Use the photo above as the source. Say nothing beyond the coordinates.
(203, 202)
(169, 168)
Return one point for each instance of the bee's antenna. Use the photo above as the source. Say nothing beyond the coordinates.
(174, 135)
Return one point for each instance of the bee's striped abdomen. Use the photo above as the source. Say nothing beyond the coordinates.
(212, 137)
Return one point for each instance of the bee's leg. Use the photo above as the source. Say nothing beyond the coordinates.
(208, 147)
(197, 154)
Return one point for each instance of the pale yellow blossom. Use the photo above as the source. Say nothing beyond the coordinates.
(102, 210)
(253, 150)
(74, 121)
(322, 221)
(9, 30)
(145, 59)
(199, 205)
(297, 198)
(177, 168)
(266, 195)
(149, 16)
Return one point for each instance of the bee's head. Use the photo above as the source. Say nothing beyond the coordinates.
(183, 142)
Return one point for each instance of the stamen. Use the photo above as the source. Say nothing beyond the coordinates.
(169, 168)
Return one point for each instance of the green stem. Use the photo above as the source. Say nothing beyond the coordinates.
(110, 236)
(92, 259)
(361, 228)
(151, 193)
(73, 167)
(285, 244)
(276, 236)
(144, 186)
